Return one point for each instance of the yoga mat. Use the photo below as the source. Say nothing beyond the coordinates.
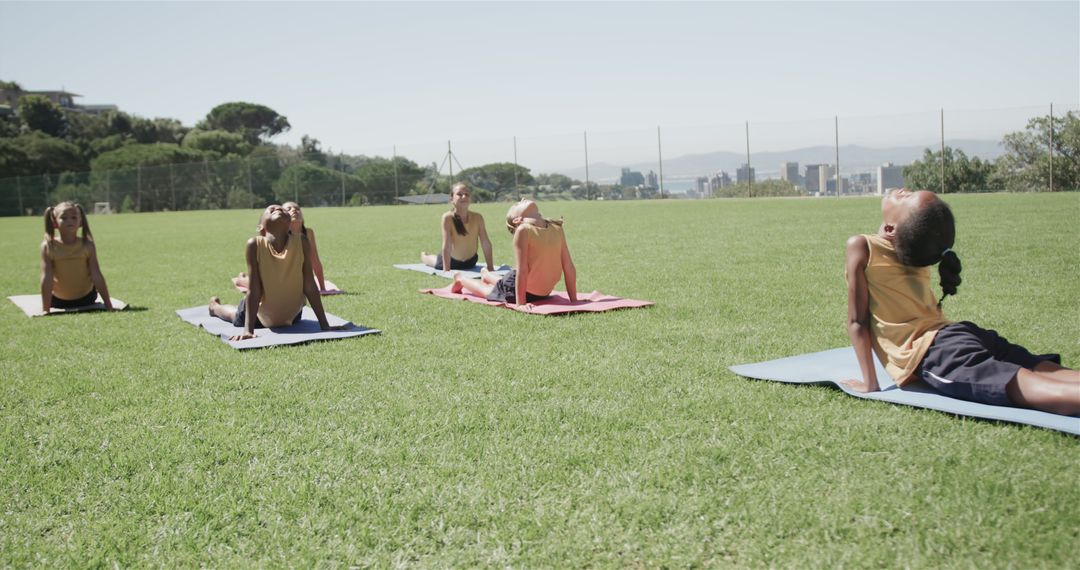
(31, 305)
(306, 330)
(558, 303)
(472, 273)
(331, 289)
(832, 366)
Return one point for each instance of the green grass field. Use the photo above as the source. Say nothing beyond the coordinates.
(472, 436)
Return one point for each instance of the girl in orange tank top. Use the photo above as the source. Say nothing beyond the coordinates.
(891, 312)
(541, 258)
(70, 275)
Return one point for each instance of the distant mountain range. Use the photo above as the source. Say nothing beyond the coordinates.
(766, 164)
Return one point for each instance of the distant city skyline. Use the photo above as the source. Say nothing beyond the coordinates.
(366, 77)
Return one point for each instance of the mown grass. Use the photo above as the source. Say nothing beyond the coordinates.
(470, 436)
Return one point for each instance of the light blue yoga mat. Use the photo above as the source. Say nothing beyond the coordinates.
(306, 330)
(832, 366)
(471, 273)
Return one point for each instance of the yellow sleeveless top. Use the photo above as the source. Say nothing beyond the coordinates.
(463, 247)
(544, 254)
(282, 276)
(904, 316)
(71, 269)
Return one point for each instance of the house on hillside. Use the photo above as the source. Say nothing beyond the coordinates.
(10, 96)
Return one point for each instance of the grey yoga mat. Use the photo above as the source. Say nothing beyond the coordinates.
(473, 273)
(832, 366)
(306, 330)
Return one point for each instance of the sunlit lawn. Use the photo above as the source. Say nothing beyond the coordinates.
(473, 436)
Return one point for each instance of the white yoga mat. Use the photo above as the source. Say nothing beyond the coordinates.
(31, 305)
(306, 330)
(472, 273)
(833, 366)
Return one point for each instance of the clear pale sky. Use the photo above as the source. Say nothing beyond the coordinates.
(362, 77)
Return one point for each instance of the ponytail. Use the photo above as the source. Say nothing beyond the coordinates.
(459, 226)
(949, 273)
(50, 224)
(86, 235)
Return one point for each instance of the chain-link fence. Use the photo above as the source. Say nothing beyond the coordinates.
(828, 156)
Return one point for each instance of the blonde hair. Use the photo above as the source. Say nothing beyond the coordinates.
(512, 227)
(50, 220)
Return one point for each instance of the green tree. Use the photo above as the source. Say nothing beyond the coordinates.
(962, 174)
(133, 155)
(157, 130)
(1026, 163)
(38, 153)
(40, 114)
(219, 144)
(313, 185)
(159, 176)
(311, 152)
(377, 175)
(498, 177)
(253, 122)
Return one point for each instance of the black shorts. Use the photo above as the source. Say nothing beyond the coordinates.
(457, 263)
(241, 314)
(84, 301)
(975, 364)
(505, 291)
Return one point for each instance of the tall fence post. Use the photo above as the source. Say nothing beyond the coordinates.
(172, 186)
(108, 188)
(341, 164)
(394, 162)
(18, 189)
(749, 179)
(206, 175)
(587, 189)
(516, 191)
(1051, 147)
(836, 131)
(45, 188)
(942, 150)
(660, 159)
(138, 188)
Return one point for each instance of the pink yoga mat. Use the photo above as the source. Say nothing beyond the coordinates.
(558, 303)
(331, 289)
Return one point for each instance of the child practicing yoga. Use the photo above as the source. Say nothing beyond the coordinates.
(893, 313)
(541, 258)
(279, 278)
(462, 230)
(296, 227)
(70, 276)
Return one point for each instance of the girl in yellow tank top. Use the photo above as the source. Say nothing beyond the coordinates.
(893, 313)
(541, 258)
(70, 275)
(297, 227)
(462, 232)
(280, 277)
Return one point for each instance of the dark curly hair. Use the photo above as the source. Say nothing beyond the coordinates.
(926, 238)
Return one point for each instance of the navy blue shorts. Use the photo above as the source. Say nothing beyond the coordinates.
(975, 364)
(505, 290)
(457, 263)
(84, 301)
(241, 314)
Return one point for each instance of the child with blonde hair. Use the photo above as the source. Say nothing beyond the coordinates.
(70, 275)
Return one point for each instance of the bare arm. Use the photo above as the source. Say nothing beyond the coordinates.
(254, 294)
(311, 291)
(46, 279)
(485, 244)
(316, 263)
(447, 227)
(521, 261)
(569, 272)
(97, 277)
(858, 321)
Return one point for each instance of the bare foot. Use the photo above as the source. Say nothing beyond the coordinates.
(457, 286)
(214, 301)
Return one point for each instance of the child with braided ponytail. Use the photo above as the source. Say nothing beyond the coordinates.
(70, 276)
(893, 313)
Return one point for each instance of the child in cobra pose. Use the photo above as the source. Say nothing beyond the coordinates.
(297, 227)
(541, 258)
(892, 312)
(280, 277)
(462, 231)
(70, 276)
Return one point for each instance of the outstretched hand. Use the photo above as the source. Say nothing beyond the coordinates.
(243, 336)
(526, 308)
(861, 386)
(332, 328)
